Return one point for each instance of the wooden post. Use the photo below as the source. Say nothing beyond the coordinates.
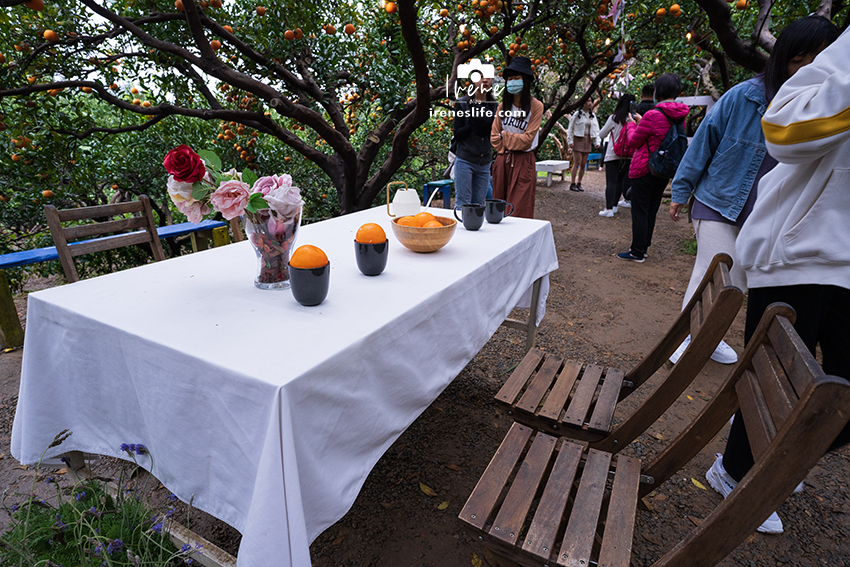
(11, 333)
(220, 236)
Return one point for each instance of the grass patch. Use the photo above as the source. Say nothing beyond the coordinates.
(688, 246)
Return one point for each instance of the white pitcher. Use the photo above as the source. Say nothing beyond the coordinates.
(405, 203)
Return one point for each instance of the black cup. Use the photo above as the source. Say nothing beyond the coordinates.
(494, 210)
(372, 258)
(310, 285)
(473, 215)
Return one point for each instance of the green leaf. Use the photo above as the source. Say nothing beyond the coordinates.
(211, 159)
(199, 191)
(256, 202)
(249, 177)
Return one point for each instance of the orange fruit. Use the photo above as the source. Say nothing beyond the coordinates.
(228, 29)
(405, 221)
(391, 8)
(298, 33)
(261, 11)
(289, 35)
(661, 12)
(215, 44)
(179, 5)
(433, 224)
(370, 233)
(742, 4)
(47, 193)
(308, 257)
(423, 217)
(349, 29)
(37, 5)
(330, 30)
(51, 35)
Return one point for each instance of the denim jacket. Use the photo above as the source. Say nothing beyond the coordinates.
(725, 154)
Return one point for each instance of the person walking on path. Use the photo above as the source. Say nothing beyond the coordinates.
(795, 246)
(647, 189)
(727, 158)
(473, 154)
(514, 136)
(616, 167)
(582, 133)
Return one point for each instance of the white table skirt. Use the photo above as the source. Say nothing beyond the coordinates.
(270, 414)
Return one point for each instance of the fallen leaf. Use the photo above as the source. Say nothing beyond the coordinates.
(690, 398)
(660, 497)
(696, 521)
(651, 538)
(698, 484)
(453, 467)
(61, 471)
(476, 561)
(658, 436)
(387, 505)
(337, 541)
(427, 490)
(443, 505)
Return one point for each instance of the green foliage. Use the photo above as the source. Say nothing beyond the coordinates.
(689, 246)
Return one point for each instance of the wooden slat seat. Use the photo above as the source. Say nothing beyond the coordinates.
(577, 400)
(141, 223)
(546, 500)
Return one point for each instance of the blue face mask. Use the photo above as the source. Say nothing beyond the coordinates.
(514, 86)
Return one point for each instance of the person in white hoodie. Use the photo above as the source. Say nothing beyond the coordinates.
(795, 246)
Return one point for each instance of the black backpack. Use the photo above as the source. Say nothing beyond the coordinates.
(664, 161)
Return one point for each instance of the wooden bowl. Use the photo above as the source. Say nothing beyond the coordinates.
(425, 239)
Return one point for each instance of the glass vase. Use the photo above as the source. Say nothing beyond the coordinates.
(272, 237)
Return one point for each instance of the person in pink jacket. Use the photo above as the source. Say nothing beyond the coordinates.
(646, 188)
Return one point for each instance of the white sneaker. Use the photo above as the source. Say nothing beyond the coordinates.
(623, 204)
(674, 358)
(614, 209)
(720, 481)
(724, 354)
(608, 213)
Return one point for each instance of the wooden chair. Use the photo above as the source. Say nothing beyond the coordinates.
(62, 236)
(549, 501)
(577, 400)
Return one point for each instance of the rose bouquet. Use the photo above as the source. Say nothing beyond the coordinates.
(270, 206)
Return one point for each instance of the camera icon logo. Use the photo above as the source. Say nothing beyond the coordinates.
(475, 70)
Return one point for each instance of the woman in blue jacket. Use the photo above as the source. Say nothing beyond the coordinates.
(727, 157)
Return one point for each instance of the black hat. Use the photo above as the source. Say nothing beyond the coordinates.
(520, 64)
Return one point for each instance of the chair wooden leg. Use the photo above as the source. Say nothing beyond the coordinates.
(497, 560)
(11, 332)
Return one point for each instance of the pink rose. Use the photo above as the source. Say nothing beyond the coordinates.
(285, 201)
(194, 211)
(266, 185)
(230, 199)
(184, 164)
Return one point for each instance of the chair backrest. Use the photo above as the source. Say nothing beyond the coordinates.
(792, 412)
(706, 317)
(62, 236)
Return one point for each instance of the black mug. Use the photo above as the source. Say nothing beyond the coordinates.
(473, 215)
(494, 210)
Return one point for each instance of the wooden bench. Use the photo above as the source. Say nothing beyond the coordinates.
(577, 400)
(551, 166)
(545, 500)
(11, 332)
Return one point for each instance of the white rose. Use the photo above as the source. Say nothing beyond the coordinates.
(179, 191)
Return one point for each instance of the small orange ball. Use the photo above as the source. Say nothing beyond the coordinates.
(308, 257)
(47, 194)
(370, 233)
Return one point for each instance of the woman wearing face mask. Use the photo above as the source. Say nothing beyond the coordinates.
(727, 158)
(582, 132)
(514, 137)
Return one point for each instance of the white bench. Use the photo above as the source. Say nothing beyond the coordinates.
(551, 166)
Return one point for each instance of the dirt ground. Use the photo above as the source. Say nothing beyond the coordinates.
(600, 309)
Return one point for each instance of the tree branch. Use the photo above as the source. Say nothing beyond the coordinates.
(742, 52)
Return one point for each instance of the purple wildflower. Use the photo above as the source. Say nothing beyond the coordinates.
(186, 547)
(125, 447)
(141, 449)
(115, 546)
(157, 527)
(172, 497)
(80, 495)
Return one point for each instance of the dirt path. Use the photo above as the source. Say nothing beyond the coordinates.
(600, 309)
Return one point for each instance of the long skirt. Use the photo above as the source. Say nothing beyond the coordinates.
(515, 180)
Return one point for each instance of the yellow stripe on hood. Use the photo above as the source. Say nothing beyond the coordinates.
(807, 130)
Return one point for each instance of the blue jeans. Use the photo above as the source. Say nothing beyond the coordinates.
(471, 182)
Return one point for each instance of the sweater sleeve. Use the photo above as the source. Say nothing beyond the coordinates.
(570, 127)
(495, 132)
(810, 115)
(522, 142)
(608, 127)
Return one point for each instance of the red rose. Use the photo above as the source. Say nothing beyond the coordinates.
(184, 164)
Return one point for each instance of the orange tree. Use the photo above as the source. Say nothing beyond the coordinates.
(344, 87)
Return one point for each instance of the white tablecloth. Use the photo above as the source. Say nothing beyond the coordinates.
(271, 414)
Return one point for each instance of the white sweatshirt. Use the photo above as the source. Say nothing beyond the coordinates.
(799, 230)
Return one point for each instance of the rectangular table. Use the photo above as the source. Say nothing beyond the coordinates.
(270, 414)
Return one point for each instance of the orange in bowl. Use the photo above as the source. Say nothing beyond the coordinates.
(424, 239)
(423, 217)
(371, 233)
(308, 257)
